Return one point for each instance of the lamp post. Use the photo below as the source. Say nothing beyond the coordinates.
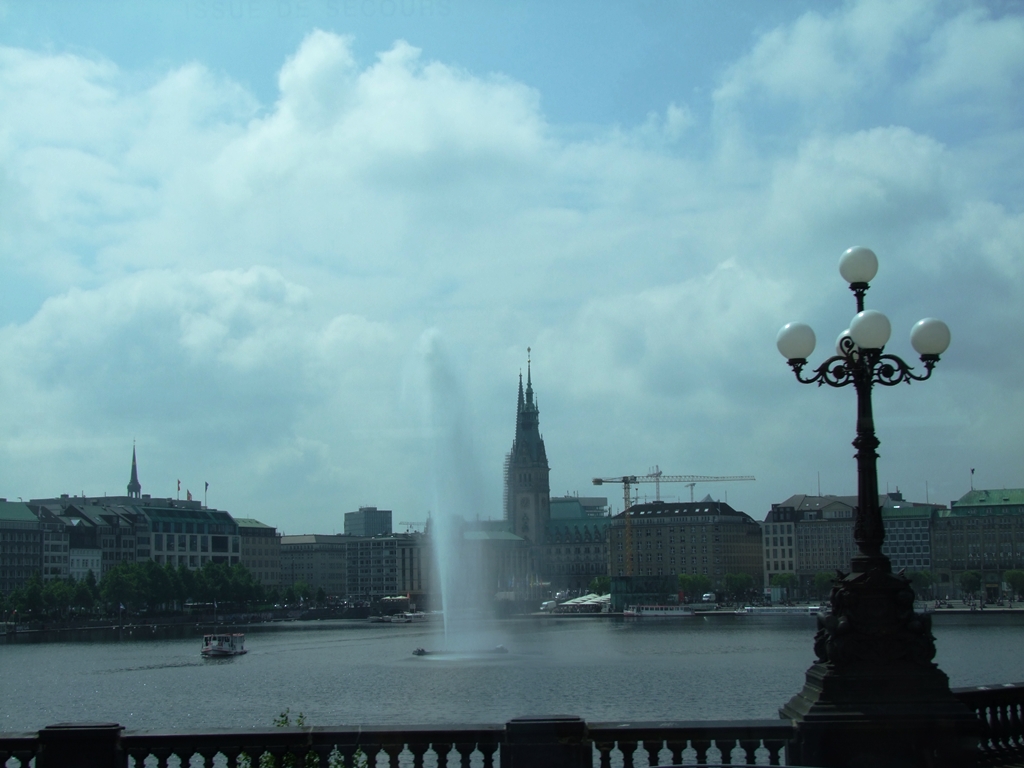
(860, 361)
(873, 696)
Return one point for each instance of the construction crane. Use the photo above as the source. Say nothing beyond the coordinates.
(657, 477)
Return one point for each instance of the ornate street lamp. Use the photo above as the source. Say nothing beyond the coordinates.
(860, 361)
(873, 696)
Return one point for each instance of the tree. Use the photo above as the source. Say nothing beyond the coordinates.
(787, 581)
(922, 581)
(738, 585)
(692, 585)
(970, 582)
(1015, 579)
(601, 585)
(823, 583)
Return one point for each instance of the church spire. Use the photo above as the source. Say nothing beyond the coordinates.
(134, 487)
(529, 380)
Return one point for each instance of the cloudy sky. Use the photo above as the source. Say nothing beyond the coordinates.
(298, 249)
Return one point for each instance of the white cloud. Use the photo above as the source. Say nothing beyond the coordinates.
(241, 286)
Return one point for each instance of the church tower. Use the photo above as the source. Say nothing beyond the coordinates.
(134, 487)
(527, 493)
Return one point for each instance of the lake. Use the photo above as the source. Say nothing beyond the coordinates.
(352, 672)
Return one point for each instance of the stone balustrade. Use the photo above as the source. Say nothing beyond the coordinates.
(533, 742)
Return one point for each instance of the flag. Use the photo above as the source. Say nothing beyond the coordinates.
(179, 486)
(207, 486)
(188, 495)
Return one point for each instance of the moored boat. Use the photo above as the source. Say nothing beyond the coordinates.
(218, 645)
(780, 610)
(658, 611)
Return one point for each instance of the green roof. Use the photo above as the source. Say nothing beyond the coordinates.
(490, 536)
(991, 498)
(16, 512)
(248, 522)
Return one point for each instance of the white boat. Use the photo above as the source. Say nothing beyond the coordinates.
(658, 611)
(780, 610)
(223, 645)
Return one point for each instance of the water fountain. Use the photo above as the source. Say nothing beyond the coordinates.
(458, 498)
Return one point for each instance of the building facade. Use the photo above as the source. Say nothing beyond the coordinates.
(983, 531)
(368, 521)
(21, 545)
(709, 538)
(527, 489)
(260, 550)
(576, 542)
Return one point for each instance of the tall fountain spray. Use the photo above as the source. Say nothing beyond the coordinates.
(458, 494)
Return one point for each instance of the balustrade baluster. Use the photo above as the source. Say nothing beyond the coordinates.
(162, 755)
(701, 746)
(774, 748)
(749, 747)
(488, 750)
(676, 748)
(653, 748)
(393, 751)
(1016, 726)
(465, 750)
(418, 751)
(230, 756)
(628, 750)
(604, 750)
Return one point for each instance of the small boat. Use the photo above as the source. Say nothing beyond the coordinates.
(425, 652)
(215, 646)
(780, 610)
(658, 612)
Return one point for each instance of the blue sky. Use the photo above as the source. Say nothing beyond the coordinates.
(298, 249)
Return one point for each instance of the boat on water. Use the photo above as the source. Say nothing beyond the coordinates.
(425, 652)
(658, 612)
(779, 610)
(215, 646)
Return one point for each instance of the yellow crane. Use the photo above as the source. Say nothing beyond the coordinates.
(657, 477)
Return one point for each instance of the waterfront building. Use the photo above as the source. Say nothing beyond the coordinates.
(527, 487)
(908, 533)
(21, 545)
(319, 560)
(356, 567)
(707, 537)
(368, 521)
(260, 550)
(576, 541)
(806, 535)
(137, 527)
(982, 531)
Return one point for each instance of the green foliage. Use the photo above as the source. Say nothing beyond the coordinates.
(601, 585)
(970, 582)
(738, 585)
(922, 581)
(1015, 579)
(694, 585)
(823, 583)
(787, 581)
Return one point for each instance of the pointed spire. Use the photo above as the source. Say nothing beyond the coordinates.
(519, 407)
(529, 380)
(134, 486)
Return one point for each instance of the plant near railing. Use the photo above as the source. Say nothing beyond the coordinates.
(334, 760)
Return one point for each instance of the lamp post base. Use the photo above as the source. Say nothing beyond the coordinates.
(874, 698)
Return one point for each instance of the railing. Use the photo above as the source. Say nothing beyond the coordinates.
(534, 742)
(1000, 709)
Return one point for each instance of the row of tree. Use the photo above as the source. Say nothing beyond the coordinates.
(146, 586)
(922, 581)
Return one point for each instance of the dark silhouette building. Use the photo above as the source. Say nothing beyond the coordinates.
(527, 490)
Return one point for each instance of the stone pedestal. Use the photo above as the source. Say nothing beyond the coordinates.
(81, 745)
(554, 741)
(874, 698)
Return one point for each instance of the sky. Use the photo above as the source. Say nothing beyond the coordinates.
(298, 249)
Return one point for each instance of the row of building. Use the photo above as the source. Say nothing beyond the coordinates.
(540, 546)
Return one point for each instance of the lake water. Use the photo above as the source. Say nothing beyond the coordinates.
(722, 667)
